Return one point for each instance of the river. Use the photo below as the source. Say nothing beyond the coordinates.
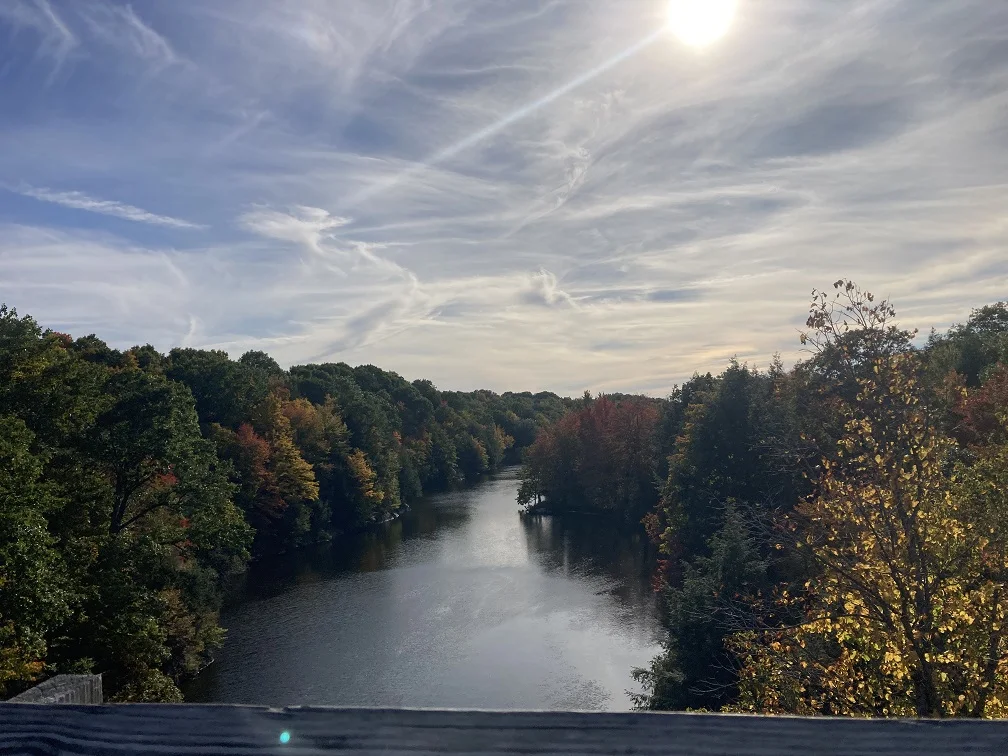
(460, 603)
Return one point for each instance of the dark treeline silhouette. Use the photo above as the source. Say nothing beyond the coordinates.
(133, 484)
(833, 538)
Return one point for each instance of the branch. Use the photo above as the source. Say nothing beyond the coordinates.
(142, 513)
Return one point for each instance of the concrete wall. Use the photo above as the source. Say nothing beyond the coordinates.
(64, 689)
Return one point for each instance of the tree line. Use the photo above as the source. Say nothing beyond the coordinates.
(598, 458)
(833, 538)
(134, 484)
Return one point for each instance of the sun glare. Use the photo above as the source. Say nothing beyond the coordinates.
(699, 23)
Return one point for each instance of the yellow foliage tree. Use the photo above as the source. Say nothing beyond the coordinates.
(904, 615)
(294, 477)
(365, 478)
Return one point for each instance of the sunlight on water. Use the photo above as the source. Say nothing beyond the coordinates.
(460, 604)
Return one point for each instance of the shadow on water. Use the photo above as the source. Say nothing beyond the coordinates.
(371, 550)
(577, 547)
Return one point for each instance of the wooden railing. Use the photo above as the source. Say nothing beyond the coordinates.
(227, 730)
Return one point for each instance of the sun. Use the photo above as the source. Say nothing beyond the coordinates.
(698, 23)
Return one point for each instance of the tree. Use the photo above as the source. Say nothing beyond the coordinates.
(43, 383)
(225, 391)
(276, 485)
(601, 457)
(147, 428)
(34, 589)
(366, 496)
(472, 456)
(973, 349)
(148, 359)
(904, 610)
(262, 363)
(850, 332)
(249, 455)
(294, 477)
(736, 459)
(92, 349)
(980, 413)
(497, 444)
(737, 442)
(714, 596)
(131, 484)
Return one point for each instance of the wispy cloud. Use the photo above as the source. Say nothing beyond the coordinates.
(93, 283)
(120, 27)
(316, 229)
(307, 226)
(82, 201)
(543, 290)
(459, 189)
(56, 40)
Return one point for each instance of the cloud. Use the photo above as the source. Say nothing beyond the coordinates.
(81, 201)
(56, 40)
(307, 226)
(119, 27)
(373, 323)
(542, 289)
(461, 190)
(672, 295)
(90, 283)
(85, 29)
(221, 297)
(315, 229)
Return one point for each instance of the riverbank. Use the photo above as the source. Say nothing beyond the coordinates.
(609, 516)
(545, 510)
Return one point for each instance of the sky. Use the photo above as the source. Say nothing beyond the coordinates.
(506, 194)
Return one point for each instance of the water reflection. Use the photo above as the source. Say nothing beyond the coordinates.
(461, 603)
(585, 547)
(363, 552)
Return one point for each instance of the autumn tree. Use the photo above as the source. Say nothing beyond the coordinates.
(979, 413)
(600, 458)
(115, 503)
(903, 613)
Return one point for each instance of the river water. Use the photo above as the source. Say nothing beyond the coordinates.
(459, 604)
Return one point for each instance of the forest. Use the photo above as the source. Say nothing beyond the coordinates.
(833, 538)
(134, 485)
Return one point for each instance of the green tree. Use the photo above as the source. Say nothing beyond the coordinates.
(147, 429)
(972, 349)
(225, 391)
(34, 589)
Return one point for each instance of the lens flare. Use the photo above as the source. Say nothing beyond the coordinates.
(698, 23)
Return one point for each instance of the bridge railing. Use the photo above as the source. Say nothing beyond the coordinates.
(218, 730)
